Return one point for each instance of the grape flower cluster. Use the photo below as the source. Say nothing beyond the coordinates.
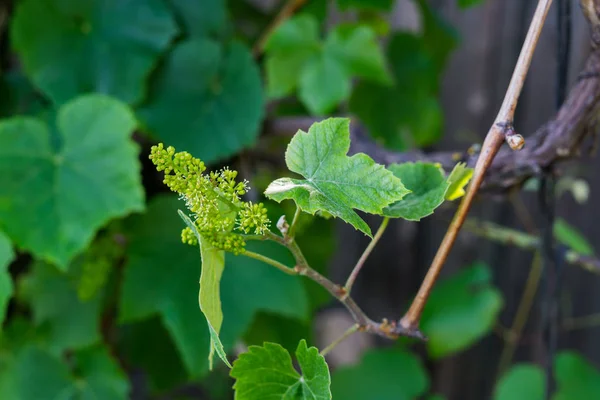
(214, 199)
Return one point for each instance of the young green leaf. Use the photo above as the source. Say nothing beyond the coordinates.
(460, 311)
(334, 182)
(391, 374)
(428, 189)
(59, 187)
(576, 378)
(458, 179)
(207, 99)
(69, 48)
(6, 285)
(267, 372)
(522, 382)
(52, 295)
(209, 297)
(568, 235)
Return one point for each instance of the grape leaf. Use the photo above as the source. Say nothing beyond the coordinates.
(571, 237)
(267, 372)
(207, 99)
(205, 18)
(40, 375)
(335, 183)
(378, 5)
(576, 378)
(460, 311)
(390, 374)
(321, 69)
(161, 278)
(60, 186)
(209, 297)
(72, 323)
(69, 47)
(522, 382)
(6, 285)
(428, 189)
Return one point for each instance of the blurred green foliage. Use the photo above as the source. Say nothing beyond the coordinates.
(95, 283)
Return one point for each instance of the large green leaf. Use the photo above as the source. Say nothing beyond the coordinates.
(391, 374)
(71, 47)
(206, 99)
(71, 322)
(334, 182)
(461, 310)
(6, 285)
(568, 235)
(39, 375)
(60, 185)
(322, 70)
(161, 278)
(209, 297)
(522, 382)
(201, 18)
(428, 186)
(576, 378)
(266, 372)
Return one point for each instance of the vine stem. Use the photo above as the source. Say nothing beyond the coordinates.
(292, 228)
(501, 130)
(387, 329)
(284, 14)
(365, 255)
(349, 332)
(270, 261)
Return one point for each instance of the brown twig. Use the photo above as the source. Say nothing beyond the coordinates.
(284, 14)
(500, 130)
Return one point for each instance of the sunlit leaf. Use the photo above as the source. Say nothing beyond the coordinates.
(334, 182)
